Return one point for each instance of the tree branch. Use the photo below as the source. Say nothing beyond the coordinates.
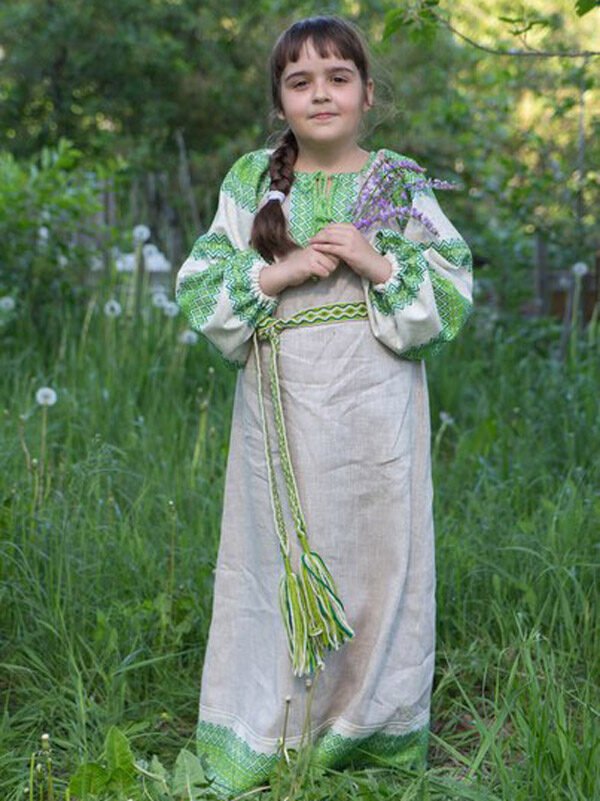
(513, 52)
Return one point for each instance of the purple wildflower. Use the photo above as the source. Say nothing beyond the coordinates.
(384, 195)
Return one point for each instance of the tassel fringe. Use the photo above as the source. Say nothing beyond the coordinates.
(313, 615)
(329, 626)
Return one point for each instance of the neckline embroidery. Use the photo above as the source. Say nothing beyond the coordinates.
(303, 174)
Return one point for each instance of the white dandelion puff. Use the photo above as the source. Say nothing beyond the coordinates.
(125, 263)
(43, 233)
(157, 263)
(171, 309)
(579, 269)
(188, 337)
(7, 303)
(150, 250)
(46, 396)
(446, 419)
(112, 308)
(141, 233)
(160, 299)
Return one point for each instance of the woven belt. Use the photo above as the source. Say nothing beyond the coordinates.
(312, 611)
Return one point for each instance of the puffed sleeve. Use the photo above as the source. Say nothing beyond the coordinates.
(217, 286)
(427, 298)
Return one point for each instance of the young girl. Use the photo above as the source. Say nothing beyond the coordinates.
(325, 577)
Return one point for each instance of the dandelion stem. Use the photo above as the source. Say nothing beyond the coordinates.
(172, 544)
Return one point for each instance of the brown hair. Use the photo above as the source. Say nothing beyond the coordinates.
(270, 235)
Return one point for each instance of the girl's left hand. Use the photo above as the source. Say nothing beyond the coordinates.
(348, 244)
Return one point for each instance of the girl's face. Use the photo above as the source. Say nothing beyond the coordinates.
(323, 99)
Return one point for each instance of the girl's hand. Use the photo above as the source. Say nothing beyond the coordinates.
(295, 268)
(346, 242)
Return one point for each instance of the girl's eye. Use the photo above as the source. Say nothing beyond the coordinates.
(339, 79)
(299, 84)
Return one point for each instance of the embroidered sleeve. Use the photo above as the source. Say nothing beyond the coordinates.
(427, 298)
(217, 287)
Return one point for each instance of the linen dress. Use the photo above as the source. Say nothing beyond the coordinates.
(355, 401)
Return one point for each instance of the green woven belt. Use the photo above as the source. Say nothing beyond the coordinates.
(313, 614)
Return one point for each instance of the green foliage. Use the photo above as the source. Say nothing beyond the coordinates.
(108, 547)
(417, 16)
(119, 775)
(584, 6)
(46, 210)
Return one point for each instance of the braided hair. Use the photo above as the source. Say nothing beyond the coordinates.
(270, 235)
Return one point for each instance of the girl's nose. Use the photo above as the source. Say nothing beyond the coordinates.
(321, 90)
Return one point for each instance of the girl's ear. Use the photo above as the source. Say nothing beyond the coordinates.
(369, 95)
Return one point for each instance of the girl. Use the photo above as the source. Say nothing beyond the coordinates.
(329, 454)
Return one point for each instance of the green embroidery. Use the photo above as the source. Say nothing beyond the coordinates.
(211, 246)
(316, 315)
(243, 181)
(403, 291)
(313, 205)
(453, 309)
(197, 295)
(334, 750)
(232, 765)
(235, 768)
(247, 306)
(456, 251)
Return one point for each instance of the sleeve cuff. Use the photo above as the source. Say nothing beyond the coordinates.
(254, 275)
(394, 278)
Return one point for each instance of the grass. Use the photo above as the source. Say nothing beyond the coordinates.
(109, 513)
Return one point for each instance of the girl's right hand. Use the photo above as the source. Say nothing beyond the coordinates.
(295, 268)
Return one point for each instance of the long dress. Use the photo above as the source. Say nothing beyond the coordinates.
(355, 400)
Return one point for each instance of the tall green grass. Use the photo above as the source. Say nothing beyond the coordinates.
(110, 508)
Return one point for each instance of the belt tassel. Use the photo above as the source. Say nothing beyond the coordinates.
(313, 613)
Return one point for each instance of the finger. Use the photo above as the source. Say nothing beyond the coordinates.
(330, 249)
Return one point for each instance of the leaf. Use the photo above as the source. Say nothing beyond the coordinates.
(121, 782)
(188, 774)
(89, 779)
(583, 6)
(118, 754)
(158, 775)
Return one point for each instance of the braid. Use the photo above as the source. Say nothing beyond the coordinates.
(270, 235)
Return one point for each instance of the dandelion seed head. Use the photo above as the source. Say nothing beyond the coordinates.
(46, 396)
(157, 263)
(112, 308)
(188, 337)
(150, 250)
(125, 263)
(579, 269)
(171, 309)
(141, 233)
(7, 303)
(43, 233)
(160, 299)
(446, 419)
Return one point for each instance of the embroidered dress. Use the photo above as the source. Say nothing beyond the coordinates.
(354, 398)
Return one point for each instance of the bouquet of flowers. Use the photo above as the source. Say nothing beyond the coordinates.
(384, 195)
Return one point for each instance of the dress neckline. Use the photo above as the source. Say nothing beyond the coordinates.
(364, 168)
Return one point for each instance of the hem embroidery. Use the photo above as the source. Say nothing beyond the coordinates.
(234, 767)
